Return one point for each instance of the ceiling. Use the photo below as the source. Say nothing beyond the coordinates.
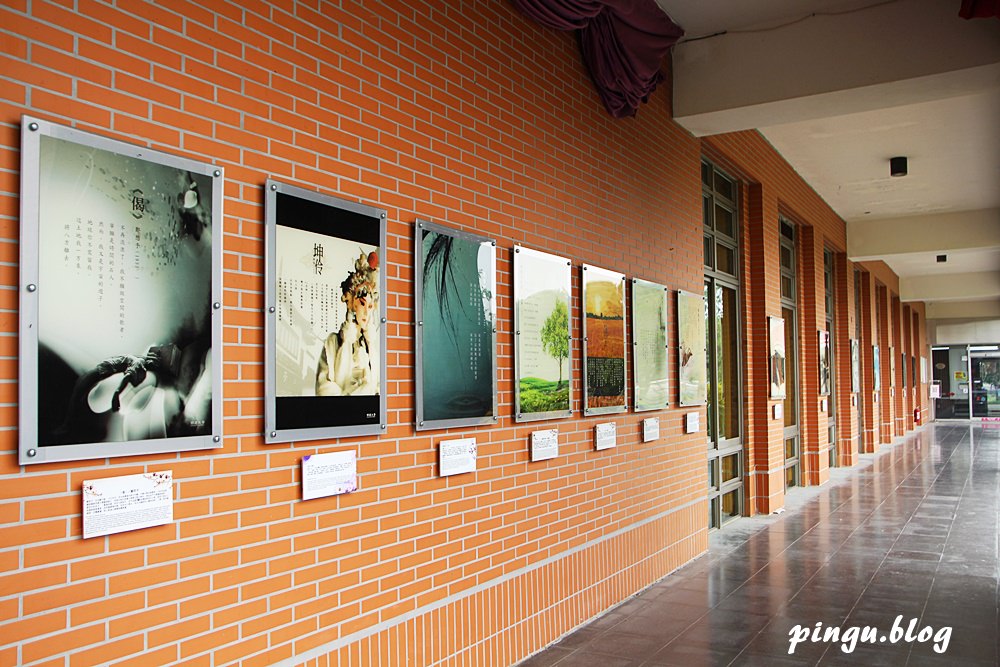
(859, 106)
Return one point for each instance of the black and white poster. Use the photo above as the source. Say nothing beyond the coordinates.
(120, 294)
(455, 307)
(325, 325)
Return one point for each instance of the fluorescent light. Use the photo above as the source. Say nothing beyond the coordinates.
(941, 348)
(983, 348)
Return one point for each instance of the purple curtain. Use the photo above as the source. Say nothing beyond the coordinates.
(622, 41)
(979, 9)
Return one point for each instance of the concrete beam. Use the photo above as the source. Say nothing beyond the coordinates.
(964, 310)
(935, 233)
(979, 286)
(831, 65)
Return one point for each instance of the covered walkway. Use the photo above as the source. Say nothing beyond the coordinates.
(911, 531)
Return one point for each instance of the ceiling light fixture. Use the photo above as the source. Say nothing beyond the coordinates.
(897, 166)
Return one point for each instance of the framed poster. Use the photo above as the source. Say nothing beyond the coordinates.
(603, 341)
(455, 283)
(855, 365)
(324, 330)
(913, 371)
(902, 367)
(923, 369)
(876, 368)
(892, 366)
(692, 357)
(121, 292)
(824, 363)
(776, 355)
(542, 336)
(649, 343)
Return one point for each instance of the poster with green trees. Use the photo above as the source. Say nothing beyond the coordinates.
(542, 286)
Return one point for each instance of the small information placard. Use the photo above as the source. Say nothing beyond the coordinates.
(778, 410)
(692, 422)
(457, 456)
(606, 435)
(822, 405)
(544, 444)
(329, 474)
(936, 390)
(651, 429)
(118, 504)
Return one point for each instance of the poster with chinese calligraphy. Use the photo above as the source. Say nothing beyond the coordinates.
(649, 341)
(855, 365)
(603, 341)
(542, 286)
(876, 368)
(455, 284)
(692, 356)
(120, 284)
(776, 356)
(324, 330)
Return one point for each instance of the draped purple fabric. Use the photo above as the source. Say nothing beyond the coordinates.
(979, 9)
(622, 41)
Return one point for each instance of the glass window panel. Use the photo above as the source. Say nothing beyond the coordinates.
(791, 448)
(791, 476)
(791, 369)
(709, 263)
(706, 212)
(713, 513)
(724, 187)
(706, 174)
(727, 321)
(725, 258)
(730, 505)
(724, 221)
(730, 467)
(712, 481)
(787, 231)
(786, 257)
(787, 291)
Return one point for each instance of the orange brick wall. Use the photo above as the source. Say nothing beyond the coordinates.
(463, 113)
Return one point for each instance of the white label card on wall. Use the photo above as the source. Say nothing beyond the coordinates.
(329, 474)
(117, 504)
(779, 410)
(651, 429)
(692, 422)
(544, 444)
(606, 435)
(935, 390)
(822, 405)
(457, 456)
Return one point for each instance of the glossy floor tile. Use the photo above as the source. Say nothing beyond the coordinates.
(895, 557)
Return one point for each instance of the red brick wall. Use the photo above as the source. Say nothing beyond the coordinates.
(466, 114)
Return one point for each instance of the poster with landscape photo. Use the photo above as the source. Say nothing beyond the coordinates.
(542, 359)
(824, 363)
(876, 368)
(603, 341)
(649, 343)
(692, 358)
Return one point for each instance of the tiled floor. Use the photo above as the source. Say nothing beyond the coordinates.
(912, 532)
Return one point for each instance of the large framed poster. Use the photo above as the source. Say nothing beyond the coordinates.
(876, 368)
(692, 361)
(855, 365)
(776, 356)
(892, 366)
(649, 343)
(824, 363)
(456, 328)
(324, 330)
(604, 345)
(542, 335)
(121, 290)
